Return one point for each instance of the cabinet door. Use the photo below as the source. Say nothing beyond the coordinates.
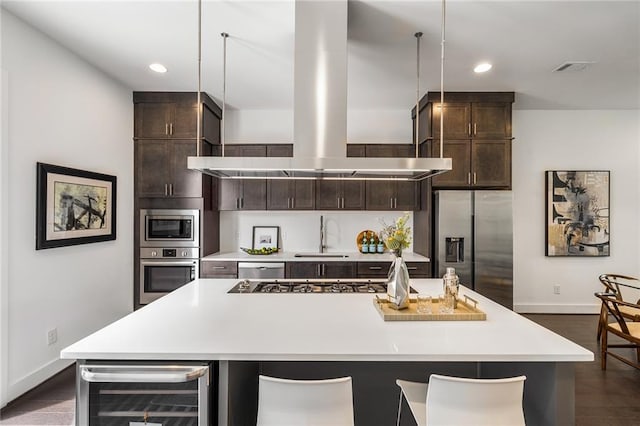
(380, 195)
(184, 121)
(185, 182)
(218, 269)
(457, 120)
(491, 120)
(352, 195)
(406, 196)
(339, 270)
(373, 269)
(356, 150)
(302, 270)
(152, 173)
(245, 150)
(491, 161)
(278, 195)
(303, 194)
(254, 194)
(280, 150)
(152, 119)
(328, 195)
(230, 193)
(390, 150)
(460, 154)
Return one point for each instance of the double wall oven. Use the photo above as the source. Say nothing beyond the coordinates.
(169, 250)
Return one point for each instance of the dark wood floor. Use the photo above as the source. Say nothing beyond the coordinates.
(603, 398)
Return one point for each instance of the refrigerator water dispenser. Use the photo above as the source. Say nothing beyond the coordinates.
(454, 249)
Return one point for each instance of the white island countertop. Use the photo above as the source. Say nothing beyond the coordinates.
(290, 256)
(201, 321)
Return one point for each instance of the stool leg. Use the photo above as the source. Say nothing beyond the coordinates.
(399, 407)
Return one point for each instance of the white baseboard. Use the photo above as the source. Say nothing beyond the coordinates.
(556, 309)
(33, 379)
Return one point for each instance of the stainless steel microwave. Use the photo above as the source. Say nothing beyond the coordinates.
(169, 228)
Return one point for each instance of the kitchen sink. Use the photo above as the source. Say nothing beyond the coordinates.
(335, 255)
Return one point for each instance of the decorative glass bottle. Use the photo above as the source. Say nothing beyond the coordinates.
(451, 284)
(365, 244)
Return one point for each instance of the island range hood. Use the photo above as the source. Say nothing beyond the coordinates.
(320, 114)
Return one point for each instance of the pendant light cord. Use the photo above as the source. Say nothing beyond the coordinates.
(418, 36)
(224, 89)
(199, 117)
(442, 80)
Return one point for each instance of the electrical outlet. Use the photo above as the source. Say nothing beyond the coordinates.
(556, 289)
(52, 336)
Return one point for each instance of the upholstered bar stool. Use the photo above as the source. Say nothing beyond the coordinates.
(284, 402)
(458, 401)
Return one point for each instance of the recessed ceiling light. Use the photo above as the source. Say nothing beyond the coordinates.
(483, 67)
(158, 68)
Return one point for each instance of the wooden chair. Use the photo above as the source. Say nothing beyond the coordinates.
(458, 401)
(627, 330)
(612, 284)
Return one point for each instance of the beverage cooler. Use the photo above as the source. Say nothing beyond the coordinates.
(152, 394)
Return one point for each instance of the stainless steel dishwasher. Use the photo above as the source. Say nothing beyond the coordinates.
(260, 270)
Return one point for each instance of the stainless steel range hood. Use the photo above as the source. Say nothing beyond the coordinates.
(320, 114)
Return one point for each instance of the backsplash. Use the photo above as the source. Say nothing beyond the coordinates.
(300, 230)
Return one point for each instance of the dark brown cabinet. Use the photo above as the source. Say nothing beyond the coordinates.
(391, 195)
(165, 130)
(218, 269)
(381, 269)
(161, 169)
(293, 194)
(248, 194)
(174, 115)
(340, 195)
(321, 269)
(476, 136)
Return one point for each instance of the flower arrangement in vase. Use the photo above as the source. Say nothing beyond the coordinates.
(396, 236)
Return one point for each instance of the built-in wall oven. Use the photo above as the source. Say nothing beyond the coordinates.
(121, 393)
(169, 251)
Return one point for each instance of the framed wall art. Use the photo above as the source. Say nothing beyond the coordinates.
(74, 207)
(577, 219)
(266, 237)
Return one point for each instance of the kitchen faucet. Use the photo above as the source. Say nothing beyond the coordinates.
(322, 245)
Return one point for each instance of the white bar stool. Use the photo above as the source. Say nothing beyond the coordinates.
(284, 402)
(458, 401)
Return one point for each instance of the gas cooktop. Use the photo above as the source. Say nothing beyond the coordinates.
(351, 285)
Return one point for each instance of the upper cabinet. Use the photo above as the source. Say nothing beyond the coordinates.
(476, 136)
(165, 134)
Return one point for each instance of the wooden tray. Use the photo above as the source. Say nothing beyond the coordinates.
(465, 311)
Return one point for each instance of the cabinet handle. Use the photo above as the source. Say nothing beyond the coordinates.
(469, 178)
(171, 128)
(318, 270)
(475, 132)
(324, 271)
(166, 128)
(469, 132)
(237, 203)
(242, 202)
(293, 201)
(219, 267)
(375, 268)
(171, 189)
(338, 202)
(395, 203)
(166, 189)
(391, 202)
(475, 180)
(343, 202)
(412, 268)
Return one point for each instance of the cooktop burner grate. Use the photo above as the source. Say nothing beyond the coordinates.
(311, 286)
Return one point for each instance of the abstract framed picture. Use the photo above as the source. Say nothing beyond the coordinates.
(74, 207)
(577, 219)
(266, 237)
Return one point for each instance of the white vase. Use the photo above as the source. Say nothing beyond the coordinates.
(398, 283)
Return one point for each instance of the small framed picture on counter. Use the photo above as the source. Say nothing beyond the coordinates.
(266, 237)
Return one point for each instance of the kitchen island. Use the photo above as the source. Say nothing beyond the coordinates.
(327, 335)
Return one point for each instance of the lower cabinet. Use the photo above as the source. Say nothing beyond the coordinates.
(218, 269)
(381, 269)
(321, 269)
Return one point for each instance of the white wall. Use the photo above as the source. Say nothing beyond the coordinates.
(300, 230)
(572, 140)
(63, 111)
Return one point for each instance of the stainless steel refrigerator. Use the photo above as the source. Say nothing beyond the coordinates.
(474, 234)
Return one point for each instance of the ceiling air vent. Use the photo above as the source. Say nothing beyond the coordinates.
(573, 66)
